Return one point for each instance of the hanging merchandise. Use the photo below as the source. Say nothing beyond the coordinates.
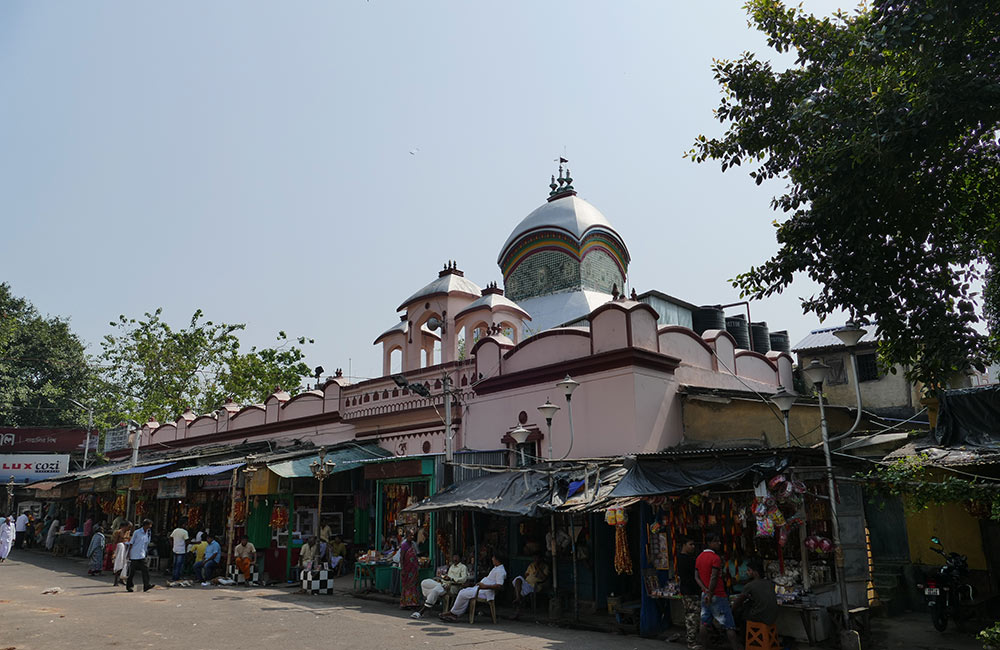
(279, 517)
(194, 516)
(239, 512)
(623, 561)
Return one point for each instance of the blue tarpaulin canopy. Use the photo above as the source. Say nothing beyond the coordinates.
(141, 469)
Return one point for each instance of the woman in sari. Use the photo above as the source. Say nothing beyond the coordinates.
(96, 552)
(50, 537)
(120, 566)
(409, 568)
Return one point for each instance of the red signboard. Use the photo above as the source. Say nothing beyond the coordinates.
(31, 439)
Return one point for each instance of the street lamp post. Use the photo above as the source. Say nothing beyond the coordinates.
(10, 495)
(816, 373)
(784, 400)
(90, 426)
(548, 411)
(321, 469)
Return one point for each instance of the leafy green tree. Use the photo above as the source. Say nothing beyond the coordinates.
(152, 370)
(885, 133)
(42, 366)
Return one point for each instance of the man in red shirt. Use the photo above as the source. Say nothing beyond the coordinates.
(714, 601)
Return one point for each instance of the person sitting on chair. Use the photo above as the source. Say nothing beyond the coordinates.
(434, 588)
(536, 574)
(337, 551)
(246, 555)
(757, 602)
(486, 589)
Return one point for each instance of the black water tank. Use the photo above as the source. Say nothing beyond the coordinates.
(708, 317)
(740, 329)
(760, 338)
(780, 342)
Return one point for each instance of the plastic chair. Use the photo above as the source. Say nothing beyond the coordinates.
(477, 599)
(762, 637)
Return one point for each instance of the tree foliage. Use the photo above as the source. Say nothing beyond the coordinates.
(42, 366)
(885, 132)
(152, 370)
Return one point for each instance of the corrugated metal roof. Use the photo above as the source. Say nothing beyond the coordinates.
(824, 338)
(345, 458)
(201, 470)
(141, 469)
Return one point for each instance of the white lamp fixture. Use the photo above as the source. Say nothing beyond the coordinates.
(816, 372)
(850, 334)
(784, 399)
(520, 435)
(568, 386)
(548, 410)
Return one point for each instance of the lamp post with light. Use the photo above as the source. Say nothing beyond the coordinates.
(321, 469)
(816, 373)
(784, 399)
(10, 495)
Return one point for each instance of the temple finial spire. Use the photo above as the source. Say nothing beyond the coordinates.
(561, 185)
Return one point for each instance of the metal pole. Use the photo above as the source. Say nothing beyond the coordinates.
(90, 427)
(232, 506)
(449, 451)
(319, 507)
(838, 545)
(788, 432)
(554, 545)
(576, 579)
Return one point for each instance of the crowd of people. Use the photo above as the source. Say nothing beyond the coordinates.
(707, 605)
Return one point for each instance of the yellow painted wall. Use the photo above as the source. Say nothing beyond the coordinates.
(718, 419)
(958, 530)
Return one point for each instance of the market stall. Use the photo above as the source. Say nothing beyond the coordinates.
(764, 504)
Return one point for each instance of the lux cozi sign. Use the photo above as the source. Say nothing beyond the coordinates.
(26, 468)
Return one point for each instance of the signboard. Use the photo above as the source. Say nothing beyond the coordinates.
(86, 485)
(172, 488)
(104, 484)
(116, 438)
(40, 439)
(215, 482)
(27, 468)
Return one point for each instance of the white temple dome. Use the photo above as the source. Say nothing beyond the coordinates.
(570, 214)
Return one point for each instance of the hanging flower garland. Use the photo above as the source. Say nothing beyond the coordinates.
(194, 516)
(616, 516)
(239, 512)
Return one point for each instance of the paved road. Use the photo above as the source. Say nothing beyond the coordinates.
(89, 614)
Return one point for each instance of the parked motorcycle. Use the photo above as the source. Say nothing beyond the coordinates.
(946, 591)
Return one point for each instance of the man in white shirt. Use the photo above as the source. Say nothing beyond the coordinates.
(137, 547)
(486, 589)
(20, 528)
(180, 537)
(434, 588)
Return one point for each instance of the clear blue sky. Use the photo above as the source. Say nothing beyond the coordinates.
(253, 159)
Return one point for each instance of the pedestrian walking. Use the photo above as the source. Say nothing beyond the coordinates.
(714, 600)
(7, 537)
(20, 530)
(96, 551)
(137, 548)
(120, 565)
(690, 592)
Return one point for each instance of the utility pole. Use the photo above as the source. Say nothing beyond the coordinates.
(449, 446)
(90, 427)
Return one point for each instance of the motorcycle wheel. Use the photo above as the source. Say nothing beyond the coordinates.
(940, 620)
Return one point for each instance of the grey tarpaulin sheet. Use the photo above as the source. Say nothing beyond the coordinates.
(969, 416)
(512, 494)
(675, 475)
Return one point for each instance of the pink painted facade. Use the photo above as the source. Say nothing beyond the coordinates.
(630, 370)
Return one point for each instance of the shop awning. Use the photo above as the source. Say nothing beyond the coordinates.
(515, 494)
(141, 469)
(201, 470)
(677, 474)
(344, 458)
(45, 485)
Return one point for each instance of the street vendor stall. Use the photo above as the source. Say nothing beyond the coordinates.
(767, 504)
